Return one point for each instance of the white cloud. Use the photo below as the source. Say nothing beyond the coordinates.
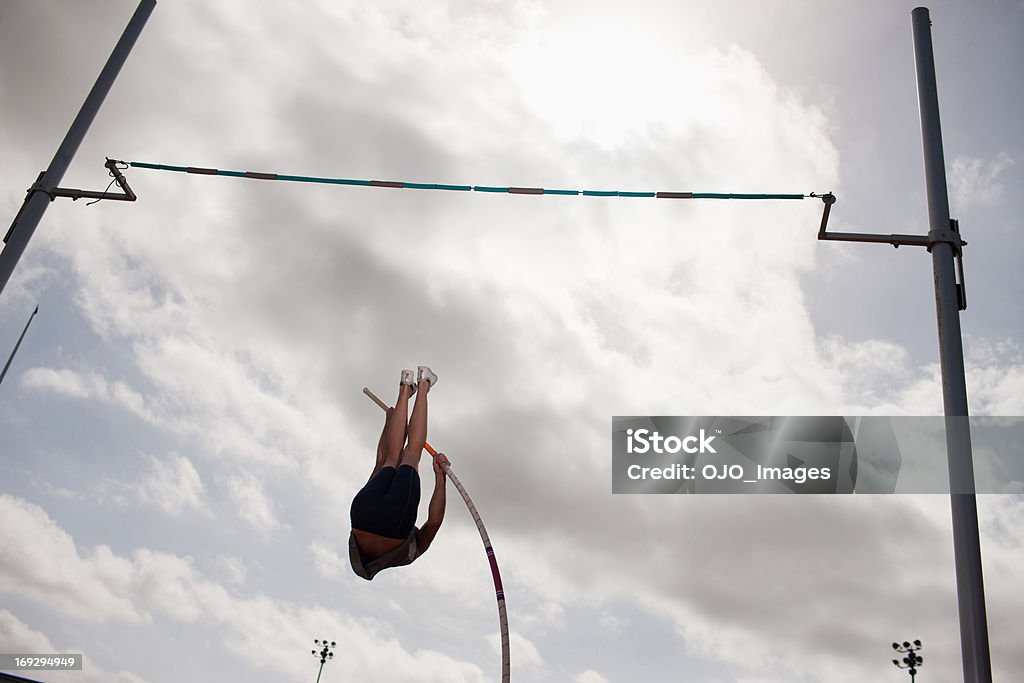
(251, 503)
(173, 485)
(877, 377)
(543, 616)
(98, 585)
(21, 291)
(995, 377)
(234, 569)
(472, 586)
(526, 653)
(976, 182)
(869, 372)
(166, 584)
(590, 676)
(613, 623)
(259, 629)
(200, 393)
(16, 636)
(64, 382)
(41, 562)
(753, 620)
(329, 561)
(88, 385)
(254, 312)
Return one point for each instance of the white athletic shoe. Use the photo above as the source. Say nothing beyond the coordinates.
(409, 377)
(425, 373)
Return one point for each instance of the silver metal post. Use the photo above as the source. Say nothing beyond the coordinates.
(966, 542)
(36, 202)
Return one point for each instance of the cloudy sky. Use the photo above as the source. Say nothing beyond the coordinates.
(183, 428)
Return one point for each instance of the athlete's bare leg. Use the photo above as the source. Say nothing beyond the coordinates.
(394, 436)
(417, 431)
(382, 444)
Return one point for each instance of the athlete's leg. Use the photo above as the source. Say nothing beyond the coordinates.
(382, 444)
(417, 431)
(396, 427)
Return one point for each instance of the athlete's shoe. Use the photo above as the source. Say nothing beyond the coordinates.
(425, 373)
(409, 377)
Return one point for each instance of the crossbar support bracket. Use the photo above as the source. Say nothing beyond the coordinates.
(950, 236)
(126, 194)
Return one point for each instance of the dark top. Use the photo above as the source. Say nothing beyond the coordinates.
(402, 555)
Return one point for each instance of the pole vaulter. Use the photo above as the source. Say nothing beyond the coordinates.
(499, 593)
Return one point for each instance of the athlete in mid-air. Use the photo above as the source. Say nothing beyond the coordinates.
(384, 532)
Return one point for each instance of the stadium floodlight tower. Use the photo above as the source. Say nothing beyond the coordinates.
(323, 654)
(912, 660)
(946, 247)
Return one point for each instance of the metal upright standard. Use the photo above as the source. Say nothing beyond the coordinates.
(3, 373)
(946, 247)
(949, 300)
(45, 189)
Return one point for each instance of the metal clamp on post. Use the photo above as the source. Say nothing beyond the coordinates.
(37, 187)
(952, 237)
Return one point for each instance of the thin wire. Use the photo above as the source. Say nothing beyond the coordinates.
(98, 199)
(121, 165)
(399, 184)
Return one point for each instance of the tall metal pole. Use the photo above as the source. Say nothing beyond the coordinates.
(3, 373)
(966, 542)
(37, 201)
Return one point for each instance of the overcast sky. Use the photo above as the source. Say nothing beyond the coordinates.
(183, 428)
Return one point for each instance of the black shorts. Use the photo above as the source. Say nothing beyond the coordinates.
(387, 505)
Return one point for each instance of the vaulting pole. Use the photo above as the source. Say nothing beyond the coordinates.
(499, 592)
(35, 204)
(970, 582)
